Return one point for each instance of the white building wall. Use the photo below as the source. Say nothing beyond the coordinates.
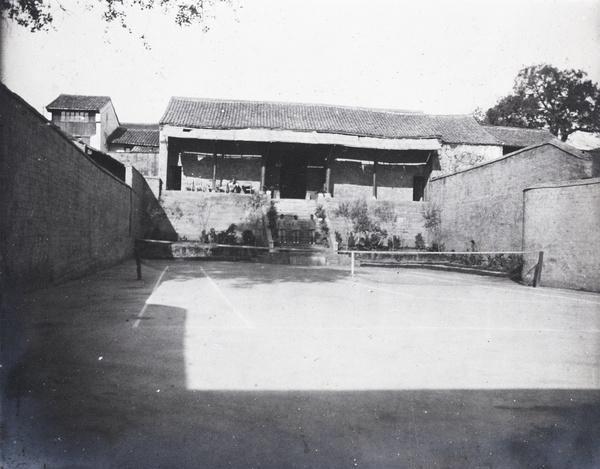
(109, 122)
(459, 156)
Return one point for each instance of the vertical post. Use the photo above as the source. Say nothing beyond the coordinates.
(263, 172)
(328, 171)
(352, 263)
(138, 259)
(375, 177)
(537, 276)
(214, 175)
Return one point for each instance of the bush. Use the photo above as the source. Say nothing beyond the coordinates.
(228, 236)
(248, 238)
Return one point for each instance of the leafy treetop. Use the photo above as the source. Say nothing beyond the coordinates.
(38, 15)
(544, 97)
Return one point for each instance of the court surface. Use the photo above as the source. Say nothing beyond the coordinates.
(221, 364)
(257, 326)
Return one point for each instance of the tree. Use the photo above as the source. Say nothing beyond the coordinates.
(38, 15)
(544, 97)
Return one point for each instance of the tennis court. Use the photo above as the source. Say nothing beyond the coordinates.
(266, 327)
(222, 364)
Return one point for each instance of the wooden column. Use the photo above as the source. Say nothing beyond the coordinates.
(328, 171)
(375, 177)
(214, 177)
(263, 171)
(263, 168)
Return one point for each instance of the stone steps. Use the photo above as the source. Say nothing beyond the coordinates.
(303, 209)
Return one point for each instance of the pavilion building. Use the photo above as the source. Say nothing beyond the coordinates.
(297, 151)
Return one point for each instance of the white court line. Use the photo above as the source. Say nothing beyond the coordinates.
(434, 298)
(396, 329)
(143, 311)
(529, 291)
(226, 300)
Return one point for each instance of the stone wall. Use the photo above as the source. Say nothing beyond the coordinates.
(485, 203)
(563, 220)
(61, 215)
(191, 212)
(145, 163)
(409, 220)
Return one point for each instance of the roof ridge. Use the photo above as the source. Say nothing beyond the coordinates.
(297, 103)
(129, 124)
(85, 95)
(328, 118)
(514, 128)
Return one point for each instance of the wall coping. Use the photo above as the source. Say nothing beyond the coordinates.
(561, 146)
(61, 133)
(554, 185)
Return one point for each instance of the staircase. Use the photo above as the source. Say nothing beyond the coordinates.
(303, 209)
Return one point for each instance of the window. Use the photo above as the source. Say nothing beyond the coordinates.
(75, 116)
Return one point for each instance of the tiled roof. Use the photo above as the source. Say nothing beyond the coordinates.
(144, 149)
(221, 115)
(145, 135)
(569, 149)
(519, 137)
(74, 102)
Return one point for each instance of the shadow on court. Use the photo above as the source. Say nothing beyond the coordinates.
(86, 389)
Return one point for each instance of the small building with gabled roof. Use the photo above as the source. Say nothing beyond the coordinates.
(90, 119)
(93, 121)
(140, 138)
(299, 150)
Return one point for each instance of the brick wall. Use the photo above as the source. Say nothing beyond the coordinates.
(563, 220)
(485, 203)
(145, 163)
(61, 215)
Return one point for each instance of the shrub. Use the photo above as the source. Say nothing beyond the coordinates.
(248, 238)
(228, 236)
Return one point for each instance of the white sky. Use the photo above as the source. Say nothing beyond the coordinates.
(444, 57)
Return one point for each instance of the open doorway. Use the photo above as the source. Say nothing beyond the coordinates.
(292, 176)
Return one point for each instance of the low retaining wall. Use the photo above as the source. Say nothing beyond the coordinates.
(410, 220)
(191, 212)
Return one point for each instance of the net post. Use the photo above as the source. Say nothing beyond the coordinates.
(537, 276)
(138, 259)
(352, 263)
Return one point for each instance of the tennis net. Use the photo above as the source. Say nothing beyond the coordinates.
(506, 263)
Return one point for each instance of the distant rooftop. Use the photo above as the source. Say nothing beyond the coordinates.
(519, 137)
(227, 114)
(143, 135)
(75, 102)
